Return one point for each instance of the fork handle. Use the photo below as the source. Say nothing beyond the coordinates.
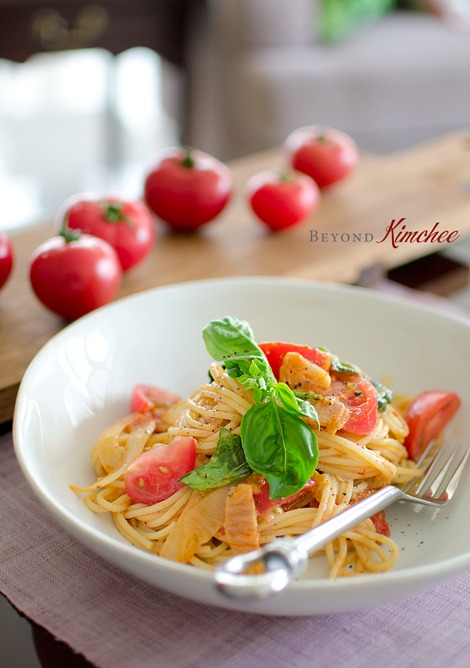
(286, 558)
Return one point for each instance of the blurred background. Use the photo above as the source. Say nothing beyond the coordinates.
(89, 91)
(79, 121)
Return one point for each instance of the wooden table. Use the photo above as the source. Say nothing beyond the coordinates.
(426, 184)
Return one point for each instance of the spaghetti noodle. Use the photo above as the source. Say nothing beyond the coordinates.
(206, 527)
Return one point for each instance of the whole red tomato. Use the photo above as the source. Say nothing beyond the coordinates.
(187, 189)
(127, 226)
(6, 258)
(74, 273)
(280, 200)
(325, 154)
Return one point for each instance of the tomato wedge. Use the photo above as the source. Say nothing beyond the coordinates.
(147, 397)
(427, 415)
(275, 351)
(263, 502)
(380, 523)
(360, 398)
(155, 475)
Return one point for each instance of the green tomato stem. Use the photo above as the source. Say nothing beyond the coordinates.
(113, 213)
(285, 177)
(188, 160)
(67, 234)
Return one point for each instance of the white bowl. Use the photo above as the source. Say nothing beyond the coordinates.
(80, 382)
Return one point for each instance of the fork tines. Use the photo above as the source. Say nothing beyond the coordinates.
(440, 479)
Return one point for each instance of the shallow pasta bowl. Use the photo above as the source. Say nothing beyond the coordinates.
(80, 383)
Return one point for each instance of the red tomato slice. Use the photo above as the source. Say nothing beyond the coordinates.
(275, 351)
(263, 503)
(147, 397)
(359, 396)
(427, 415)
(380, 523)
(155, 475)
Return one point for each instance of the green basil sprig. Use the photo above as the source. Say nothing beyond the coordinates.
(384, 395)
(343, 367)
(227, 465)
(230, 341)
(275, 440)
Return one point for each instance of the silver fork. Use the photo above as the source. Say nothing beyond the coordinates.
(286, 558)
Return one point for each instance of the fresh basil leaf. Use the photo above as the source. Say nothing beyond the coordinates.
(231, 341)
(384, 395)
(280, 446)
(343, 367)
(308, 410)
(292, 403)
(311, 396)
(228, 464)
(287, 398)
(254, 374)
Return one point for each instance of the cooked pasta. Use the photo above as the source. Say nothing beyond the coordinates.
(192, 525)
(280, 438)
